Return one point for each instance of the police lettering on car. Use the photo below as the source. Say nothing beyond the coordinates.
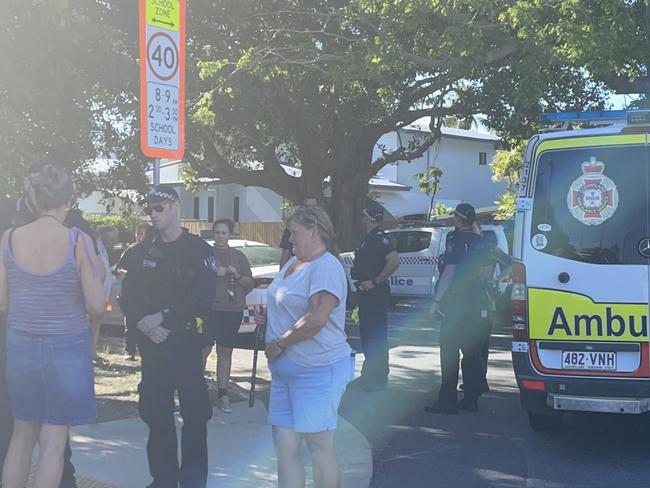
(374, 262)
(168, 291)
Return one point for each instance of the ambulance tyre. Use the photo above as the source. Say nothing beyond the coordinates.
(541, 422)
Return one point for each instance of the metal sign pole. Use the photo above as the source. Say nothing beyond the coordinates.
(156, 171)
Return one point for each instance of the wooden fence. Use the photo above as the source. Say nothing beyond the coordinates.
(267, 232)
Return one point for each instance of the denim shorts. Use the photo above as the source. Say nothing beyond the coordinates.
(50, 378)
(306, 399)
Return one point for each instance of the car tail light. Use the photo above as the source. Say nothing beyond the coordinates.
(263, 282)
(533, 385)
(519, 303)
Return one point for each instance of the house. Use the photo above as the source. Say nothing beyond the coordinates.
(462, 155)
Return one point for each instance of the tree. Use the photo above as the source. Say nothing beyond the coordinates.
(67, 89)
(506, 166)
(316, 83)
(429, 182)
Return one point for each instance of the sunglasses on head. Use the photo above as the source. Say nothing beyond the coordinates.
(155, 208)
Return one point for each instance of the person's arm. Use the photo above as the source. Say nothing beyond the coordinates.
(205, 282)
(321, 305)
(4, 282)
(245, 277)
(91, 271)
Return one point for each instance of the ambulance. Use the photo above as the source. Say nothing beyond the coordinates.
(581, 276)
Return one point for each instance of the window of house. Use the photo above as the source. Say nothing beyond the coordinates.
(210, 209)
(196, 208)
(482, 158)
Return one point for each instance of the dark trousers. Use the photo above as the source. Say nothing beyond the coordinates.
(373, 328)
(130, 338)
(486, 333)
(7, 420)
(175, 366)
(456, 336)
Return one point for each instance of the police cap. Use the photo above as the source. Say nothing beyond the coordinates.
(159, 194)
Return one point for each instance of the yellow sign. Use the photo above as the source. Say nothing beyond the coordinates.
(563, 316)
(164, 14)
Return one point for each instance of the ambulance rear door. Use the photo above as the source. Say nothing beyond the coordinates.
(586, 250)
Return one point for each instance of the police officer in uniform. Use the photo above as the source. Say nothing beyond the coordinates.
(375, 260)
(167, 291)
(458, 302)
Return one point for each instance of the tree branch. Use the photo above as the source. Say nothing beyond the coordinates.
(625, 86)
(405, 154)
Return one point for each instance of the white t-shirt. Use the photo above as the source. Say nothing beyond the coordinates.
(288, 301)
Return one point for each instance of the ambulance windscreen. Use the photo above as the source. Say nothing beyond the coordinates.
(591, 204)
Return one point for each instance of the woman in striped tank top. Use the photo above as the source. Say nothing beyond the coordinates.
(50, 284)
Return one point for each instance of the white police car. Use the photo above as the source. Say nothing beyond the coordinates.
(418, 249)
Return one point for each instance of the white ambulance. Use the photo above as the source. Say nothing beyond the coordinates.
(581, 278)
(418, 249)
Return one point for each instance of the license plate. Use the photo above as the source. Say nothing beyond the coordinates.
(595, 361)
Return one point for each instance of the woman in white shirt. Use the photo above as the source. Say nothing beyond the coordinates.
(306, 346)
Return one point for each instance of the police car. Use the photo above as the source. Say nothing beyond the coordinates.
(419, 249)
(581, 278)
(265, 264)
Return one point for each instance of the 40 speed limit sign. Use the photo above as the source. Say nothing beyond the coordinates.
(162, 78)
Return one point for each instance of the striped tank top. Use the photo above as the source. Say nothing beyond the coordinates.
(45, 303)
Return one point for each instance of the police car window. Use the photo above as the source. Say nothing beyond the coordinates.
(590, 205)
(261, 255)
(411, 241)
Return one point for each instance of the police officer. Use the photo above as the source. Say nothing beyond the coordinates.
(374, 261)
(167, 291)
(457, 301)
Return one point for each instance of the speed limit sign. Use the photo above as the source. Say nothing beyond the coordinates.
(162, 78)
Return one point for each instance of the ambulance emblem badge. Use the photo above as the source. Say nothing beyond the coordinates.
(592, 197)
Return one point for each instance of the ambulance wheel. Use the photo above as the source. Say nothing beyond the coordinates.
(541, 422)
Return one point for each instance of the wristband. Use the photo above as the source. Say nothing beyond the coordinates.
(277, 343)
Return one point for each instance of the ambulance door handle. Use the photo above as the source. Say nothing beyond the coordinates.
(564, 277)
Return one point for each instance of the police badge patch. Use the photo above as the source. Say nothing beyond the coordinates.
(592, 197)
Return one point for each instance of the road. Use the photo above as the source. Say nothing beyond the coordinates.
(492, 448)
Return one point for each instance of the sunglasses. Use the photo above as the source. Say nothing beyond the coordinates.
(155, 208)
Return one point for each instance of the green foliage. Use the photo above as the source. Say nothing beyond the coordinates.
(441, 209)
(126, 223)
(429, 182)
(506, 166)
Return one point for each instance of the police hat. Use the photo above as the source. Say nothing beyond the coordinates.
(159, 194)
(465, 211)
(374, 211)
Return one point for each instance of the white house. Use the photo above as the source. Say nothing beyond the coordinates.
(462, 155)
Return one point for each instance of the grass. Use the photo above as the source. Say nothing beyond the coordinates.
(116, 382)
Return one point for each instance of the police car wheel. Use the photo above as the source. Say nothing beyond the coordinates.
(541, 422)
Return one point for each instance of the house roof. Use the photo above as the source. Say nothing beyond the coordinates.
(422, 125)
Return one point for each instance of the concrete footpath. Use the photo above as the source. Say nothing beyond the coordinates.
(241, 454)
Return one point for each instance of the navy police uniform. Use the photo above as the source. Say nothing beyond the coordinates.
(177, 279)
(369, 261)
(461, 308)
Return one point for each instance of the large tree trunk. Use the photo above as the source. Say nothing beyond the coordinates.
(347, 202)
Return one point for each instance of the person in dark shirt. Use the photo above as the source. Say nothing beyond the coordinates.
(375, 260)
(143, 231)
(168, 292)
(285, 243)
(457, 300)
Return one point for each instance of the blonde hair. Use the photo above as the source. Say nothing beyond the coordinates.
(52, 187)
(312, 217)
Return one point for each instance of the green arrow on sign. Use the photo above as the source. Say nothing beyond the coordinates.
(158, 21)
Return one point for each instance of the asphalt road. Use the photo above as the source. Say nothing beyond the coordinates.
(492, 448)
